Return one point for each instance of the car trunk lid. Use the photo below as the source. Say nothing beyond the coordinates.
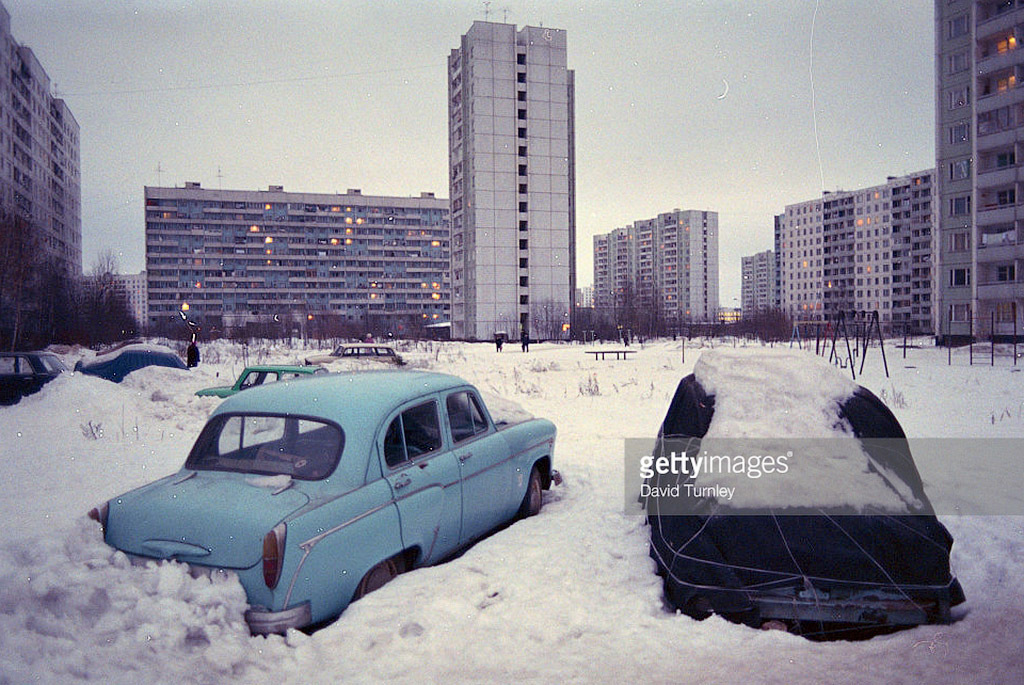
(208, 518)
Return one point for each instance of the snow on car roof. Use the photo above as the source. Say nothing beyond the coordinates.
(783, 399)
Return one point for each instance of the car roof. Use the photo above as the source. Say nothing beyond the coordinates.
(288, 368)
(350, 398)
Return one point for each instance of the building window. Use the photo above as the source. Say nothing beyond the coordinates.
(1006, 197)
(959, 277)
(959, 169)
(996, 120)
(958, 206)
(959, 241)
(959, 133)
(958, 26)
(959, 313)
(1004, 312)
(959, 97)
(957, 63)
(1006, 273)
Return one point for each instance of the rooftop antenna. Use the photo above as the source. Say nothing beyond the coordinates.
(504, 15)
(487, 10)
(159, 171)
(220, 177)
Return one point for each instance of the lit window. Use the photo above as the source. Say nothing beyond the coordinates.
(348, 219)
(348, 241)
(254, 229)
(268, 239)
(359, 220)
(435, 296)
(435, 243)
(334, 241)
(335, 209)
(266, 206)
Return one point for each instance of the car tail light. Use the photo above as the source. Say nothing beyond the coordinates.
(273, 555)
(99, 514)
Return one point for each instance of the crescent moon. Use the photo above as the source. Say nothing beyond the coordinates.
(722, 96)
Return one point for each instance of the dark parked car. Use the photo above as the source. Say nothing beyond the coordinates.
(833, 570)
(121, 362)
(23, 373)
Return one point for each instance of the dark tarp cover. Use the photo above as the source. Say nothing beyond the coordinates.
(721, 563)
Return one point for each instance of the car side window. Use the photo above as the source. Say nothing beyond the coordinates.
(8, 366)
(413, 433)
(464, 416)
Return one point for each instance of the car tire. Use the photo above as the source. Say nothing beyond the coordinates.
(376, 578)
(533, 500)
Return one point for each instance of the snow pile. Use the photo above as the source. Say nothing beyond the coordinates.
(72, 608)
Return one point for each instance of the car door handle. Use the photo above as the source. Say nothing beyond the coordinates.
(465, 457)
(402, 481)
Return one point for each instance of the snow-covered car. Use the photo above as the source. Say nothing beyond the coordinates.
(824, 530)
(368, 351)
(23, 373)
(316, 493)
(261, 374)
(115, 365)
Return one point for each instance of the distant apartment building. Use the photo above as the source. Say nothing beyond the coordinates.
(979, 124)
(757, 287)
(585, 297)
(239, 258)
(862, 251)
(668, 265)
(512, 182)
(133, 288)
(40, 168)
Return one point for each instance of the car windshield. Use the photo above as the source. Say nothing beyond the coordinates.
(51, 363)
(307, 449)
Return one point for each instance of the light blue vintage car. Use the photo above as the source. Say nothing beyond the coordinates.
(317, 492)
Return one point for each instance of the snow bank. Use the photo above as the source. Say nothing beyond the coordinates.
(72, 608)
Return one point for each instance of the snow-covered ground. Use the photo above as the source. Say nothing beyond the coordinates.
(567, 596)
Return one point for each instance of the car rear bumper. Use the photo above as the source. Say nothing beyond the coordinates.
(262, 622)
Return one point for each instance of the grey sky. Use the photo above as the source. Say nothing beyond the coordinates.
(322, 95)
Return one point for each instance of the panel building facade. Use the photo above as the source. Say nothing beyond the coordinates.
(40, 167)
(512, 182)
(757, 287)
(292, 260)
(860, 251)
(979, 64)
(667, 265)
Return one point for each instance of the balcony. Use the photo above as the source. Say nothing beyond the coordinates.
(996, 214)
(998, 176)
(997, 61)
(997, 24)
(1006, 290)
